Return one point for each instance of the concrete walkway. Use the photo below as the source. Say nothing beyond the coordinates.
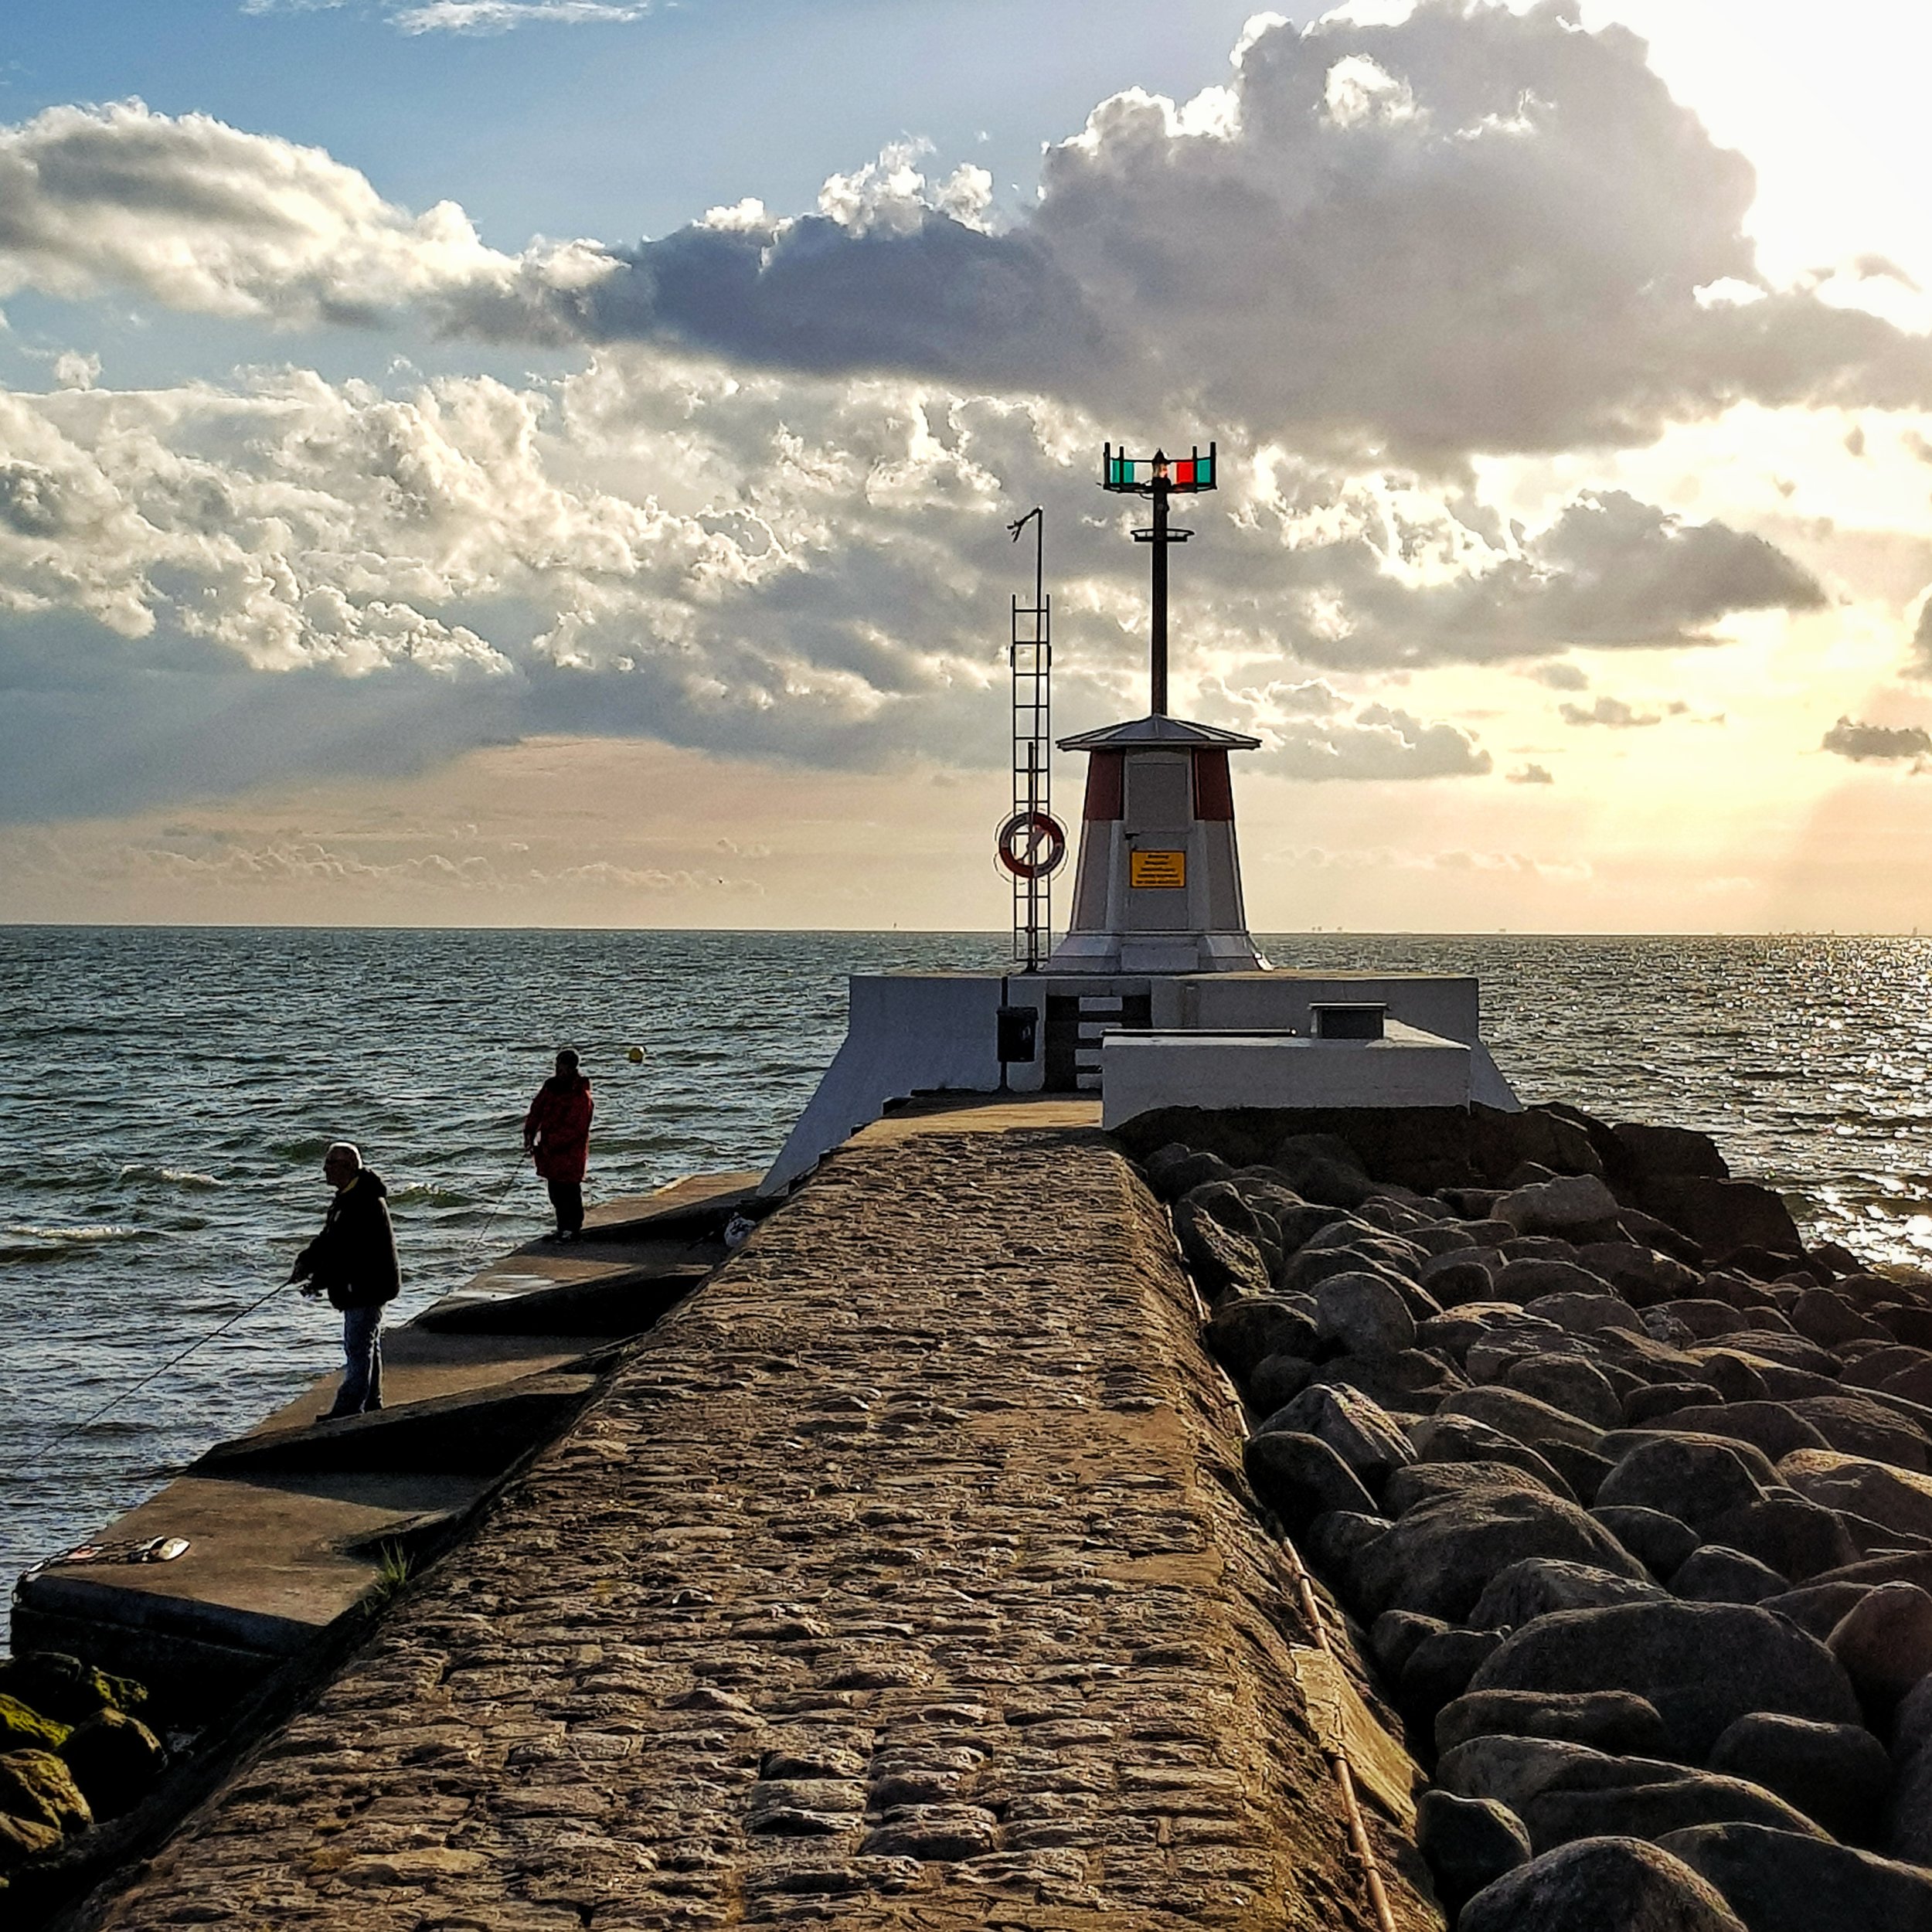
(902, 1578)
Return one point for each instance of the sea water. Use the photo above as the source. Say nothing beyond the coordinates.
(167, 1095)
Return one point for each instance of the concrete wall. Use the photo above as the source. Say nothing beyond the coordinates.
(1140, 1072)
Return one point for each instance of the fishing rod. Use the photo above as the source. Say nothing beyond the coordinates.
(115, 1400)
(482, 1233)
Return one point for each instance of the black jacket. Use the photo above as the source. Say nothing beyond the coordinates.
(354, 1257)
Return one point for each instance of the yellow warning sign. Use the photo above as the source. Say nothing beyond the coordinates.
(1147, 870)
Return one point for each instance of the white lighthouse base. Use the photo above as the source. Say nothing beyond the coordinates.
(912, 1033)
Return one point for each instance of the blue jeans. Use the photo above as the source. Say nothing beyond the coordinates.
(362, 1350)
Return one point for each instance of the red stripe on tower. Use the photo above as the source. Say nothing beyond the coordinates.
(1104, 786)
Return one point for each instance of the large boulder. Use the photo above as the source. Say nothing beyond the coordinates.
(1441, 1438)
(1884, 1642)
(1468, 1842)
(1177, 1169)
(1909, 1823)
(1307, 1270)
(1646, 1153)
(1457, 1330)
(1300, 1477)
(1702, 1665)
(1409, 1380)
(1224, 1263)
(24, 1728)
(64, 1689)
(1430, 1481)
(1778, 1881)
(1514, 1769)
(1692, 1478)
(1837, 1774)
(1723, 1216)
(1894, 1498)
(1571, 1204)
(1524, 1417)
(1649, 1806)
(1241, 1334)
(1577, 1313)
(1528, 1278)
(1772, 1427)
(1659, 1542)
(116, 1760)
(1601, 1885)
(1857, 1425)
(1334, 1543)
(1439, 1557)
(1568, 1382)
(1538, 1585)
(1276, 1379)
(1609, 1721)
(1797, 1538)
(1816, 1608)
(1438, 1670)
(23, 1839)
(1322, 1167)
(1712, 1574)
(37, 1786)
(1358, 1430)
(1363, 1313)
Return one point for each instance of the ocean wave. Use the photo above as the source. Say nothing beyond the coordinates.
(186, 1177)
(25, 1241)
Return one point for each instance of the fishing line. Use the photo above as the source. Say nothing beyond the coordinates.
(114, 1401)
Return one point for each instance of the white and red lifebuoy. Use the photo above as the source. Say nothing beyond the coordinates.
(1032, 845)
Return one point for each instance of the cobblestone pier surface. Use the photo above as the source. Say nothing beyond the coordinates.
(904, 1577)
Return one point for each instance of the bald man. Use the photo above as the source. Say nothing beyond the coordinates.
(353, 1262)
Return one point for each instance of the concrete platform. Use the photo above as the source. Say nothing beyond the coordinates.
(292, 1527)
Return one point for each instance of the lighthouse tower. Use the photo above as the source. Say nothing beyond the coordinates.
(1155, 997)
(1158, 886)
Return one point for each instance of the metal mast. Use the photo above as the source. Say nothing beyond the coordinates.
(1031, 656)
(1158, 478)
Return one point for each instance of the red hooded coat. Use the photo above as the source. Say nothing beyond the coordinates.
(558, 1124)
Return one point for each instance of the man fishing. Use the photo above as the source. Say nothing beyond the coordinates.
(557, 1130)
(353, 1262)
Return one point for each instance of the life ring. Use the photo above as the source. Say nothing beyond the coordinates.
(1032, 845)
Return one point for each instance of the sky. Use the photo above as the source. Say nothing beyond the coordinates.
(547, 462)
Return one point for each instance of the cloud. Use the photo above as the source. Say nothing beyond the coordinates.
(1920, 665)
(1562, 677)
(1530, 774)
(1374, 574)
(500, 16)
(1612, 711)
(1378, 742)
(195, 215)
(476, 16)
(1850, 739)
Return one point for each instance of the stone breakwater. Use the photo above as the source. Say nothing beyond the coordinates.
(1627, 1487)
(904, 1575)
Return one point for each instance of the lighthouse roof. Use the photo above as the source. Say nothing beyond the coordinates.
(1159, 731)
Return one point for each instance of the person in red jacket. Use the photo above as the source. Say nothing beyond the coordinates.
(557, 1130)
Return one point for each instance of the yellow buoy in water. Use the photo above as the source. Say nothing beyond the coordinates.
(635, 1056)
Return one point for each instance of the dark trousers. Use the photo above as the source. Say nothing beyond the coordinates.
(362, 1354)
(567, 1198)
